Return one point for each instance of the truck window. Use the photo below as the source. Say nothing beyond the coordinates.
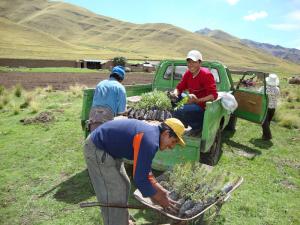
(251, 82)
(179, 71)
(168, 73)
(215, 73)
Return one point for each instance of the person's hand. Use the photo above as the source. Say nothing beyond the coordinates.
(172, 95)
(192, 99)
(161, 198)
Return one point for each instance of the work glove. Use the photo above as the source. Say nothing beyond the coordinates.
(172, 96)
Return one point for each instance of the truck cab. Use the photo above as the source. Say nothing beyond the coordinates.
(205, 148)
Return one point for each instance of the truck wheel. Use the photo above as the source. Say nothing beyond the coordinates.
(231, 123)
(214, 154)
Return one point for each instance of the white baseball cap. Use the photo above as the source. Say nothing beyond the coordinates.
(194, 55)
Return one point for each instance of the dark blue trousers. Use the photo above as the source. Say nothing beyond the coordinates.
(190, 114)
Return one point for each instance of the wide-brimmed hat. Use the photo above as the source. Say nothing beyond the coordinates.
(272, 80)
(177, 126)
(194, 55)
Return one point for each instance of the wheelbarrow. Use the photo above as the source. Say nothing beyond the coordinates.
(217, 204)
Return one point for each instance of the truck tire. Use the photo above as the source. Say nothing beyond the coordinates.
(231, 124)
(213, 156)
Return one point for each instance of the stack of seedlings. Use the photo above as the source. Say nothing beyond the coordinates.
(154, 105)
(195, 187)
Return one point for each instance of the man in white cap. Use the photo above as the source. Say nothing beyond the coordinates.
(200, 84)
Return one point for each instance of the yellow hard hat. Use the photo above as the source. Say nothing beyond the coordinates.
(177, 126)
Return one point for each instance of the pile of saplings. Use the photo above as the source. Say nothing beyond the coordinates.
(155, 105)
(196, 186)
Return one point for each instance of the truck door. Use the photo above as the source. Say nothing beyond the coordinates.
(249, 89)
(163, 80)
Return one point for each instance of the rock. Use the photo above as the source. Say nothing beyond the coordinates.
(294, 80)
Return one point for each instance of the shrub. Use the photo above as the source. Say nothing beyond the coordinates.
(18, 90)
(34, 107)
(15, 108)
(38, 90)
(119, 61)
(2, 90)
(76, 90)
(28, 99)
(49, 88)
(5, 99)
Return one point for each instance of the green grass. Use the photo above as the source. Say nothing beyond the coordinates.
(48, 70)
(43, 173)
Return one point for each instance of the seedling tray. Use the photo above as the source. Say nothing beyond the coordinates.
(147, 201)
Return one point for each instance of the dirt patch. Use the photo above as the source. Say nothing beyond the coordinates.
(288, 184)
(43, 117)
(62, 81)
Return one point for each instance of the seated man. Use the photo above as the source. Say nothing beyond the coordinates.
(200, 84)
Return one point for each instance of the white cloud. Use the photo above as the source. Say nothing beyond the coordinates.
(285, 26)
(232, 2)
(256, 15)
(294, 15)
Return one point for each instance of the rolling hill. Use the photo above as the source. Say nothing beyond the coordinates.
(290, 54)
(56, 30)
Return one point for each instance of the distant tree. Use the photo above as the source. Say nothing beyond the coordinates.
(119, 61)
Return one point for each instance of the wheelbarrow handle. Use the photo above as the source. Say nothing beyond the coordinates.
(93, 204)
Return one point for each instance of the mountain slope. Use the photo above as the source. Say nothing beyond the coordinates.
(79, 33)
(290, 54)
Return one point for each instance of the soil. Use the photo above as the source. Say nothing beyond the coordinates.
(62, 81)
(43, 117)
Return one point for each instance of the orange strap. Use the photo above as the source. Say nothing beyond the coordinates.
(136, 148)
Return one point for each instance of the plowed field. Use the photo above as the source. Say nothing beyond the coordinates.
(62, 81)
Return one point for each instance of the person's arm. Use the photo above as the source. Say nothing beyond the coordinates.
(121, 110)
(143, 177)
(193, 98)
(161, 196)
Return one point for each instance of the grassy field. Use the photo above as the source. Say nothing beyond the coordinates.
(43, 174)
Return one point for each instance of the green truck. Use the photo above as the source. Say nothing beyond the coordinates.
(205, 148)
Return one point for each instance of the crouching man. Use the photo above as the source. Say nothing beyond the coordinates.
(134, 140)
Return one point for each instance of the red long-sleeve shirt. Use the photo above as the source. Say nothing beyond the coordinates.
(201, 85)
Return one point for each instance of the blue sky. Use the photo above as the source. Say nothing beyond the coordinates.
(268, 21)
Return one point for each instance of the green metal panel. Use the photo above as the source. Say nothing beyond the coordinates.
(212, 119)
(86, 105)
(167, 159)
(133, 90)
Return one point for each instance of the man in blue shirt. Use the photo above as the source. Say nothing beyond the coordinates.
(109, 98)
(134, 140)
